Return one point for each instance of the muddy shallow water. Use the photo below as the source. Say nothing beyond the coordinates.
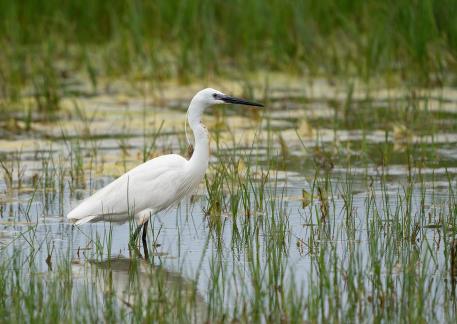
(338, 163)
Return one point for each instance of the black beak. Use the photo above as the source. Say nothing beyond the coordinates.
(239, 101)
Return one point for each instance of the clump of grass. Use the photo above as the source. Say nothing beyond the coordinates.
(46, 89)
(13, 171)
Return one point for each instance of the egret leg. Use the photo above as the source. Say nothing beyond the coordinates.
(145, 243)
(145, 232)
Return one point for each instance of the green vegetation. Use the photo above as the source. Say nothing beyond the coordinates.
(45, 43)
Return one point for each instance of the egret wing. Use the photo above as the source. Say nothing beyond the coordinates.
(148, 185)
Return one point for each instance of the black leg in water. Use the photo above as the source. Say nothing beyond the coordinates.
(144, 239)
(145, 232)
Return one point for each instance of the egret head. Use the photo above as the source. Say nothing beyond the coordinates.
(209, 97)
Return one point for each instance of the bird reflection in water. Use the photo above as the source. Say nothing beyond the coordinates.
(136, 281)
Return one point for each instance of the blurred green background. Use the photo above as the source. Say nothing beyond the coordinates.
(414, 40)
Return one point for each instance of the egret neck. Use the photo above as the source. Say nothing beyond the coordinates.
(200, 156)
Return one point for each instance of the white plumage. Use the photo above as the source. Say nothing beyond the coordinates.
(158, 183)
(150, 187)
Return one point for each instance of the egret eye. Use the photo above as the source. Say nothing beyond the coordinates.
(215, 95)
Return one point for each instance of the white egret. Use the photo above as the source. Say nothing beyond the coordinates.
(159, 183)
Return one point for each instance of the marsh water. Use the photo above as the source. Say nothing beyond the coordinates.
(338, 195)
